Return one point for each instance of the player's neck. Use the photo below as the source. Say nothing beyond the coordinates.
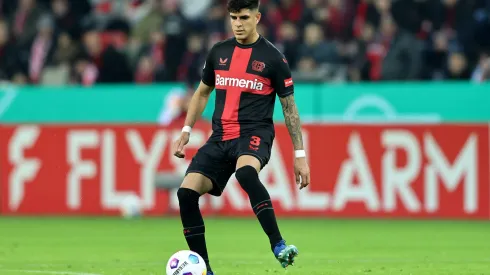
(249, 40)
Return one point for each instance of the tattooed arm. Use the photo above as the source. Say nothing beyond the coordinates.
(291, 117)
(285, 90)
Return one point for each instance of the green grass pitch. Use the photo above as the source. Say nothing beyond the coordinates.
(112, 246)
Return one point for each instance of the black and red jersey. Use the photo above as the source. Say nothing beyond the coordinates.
(246, 79)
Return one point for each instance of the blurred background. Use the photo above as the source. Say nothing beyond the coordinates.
(395, 104)
(114, 78)
(45, 42)
(88, 81)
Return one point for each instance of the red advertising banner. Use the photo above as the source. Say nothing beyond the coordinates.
(425, 171)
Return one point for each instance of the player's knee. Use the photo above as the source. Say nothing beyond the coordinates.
(249, 180)
(197, 182)
(246, 175)
(187, 197)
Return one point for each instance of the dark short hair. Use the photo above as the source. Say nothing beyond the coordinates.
(237, 5)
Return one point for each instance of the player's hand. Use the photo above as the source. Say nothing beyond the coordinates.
(302, 172)
(178, 146)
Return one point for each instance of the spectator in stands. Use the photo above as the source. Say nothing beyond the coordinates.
(24, 21)
(455, 18)
(65, 19)
(315, 46)
(377, 39)
(291, 10)
(314, 11)
(8, 55)
(143, 29)
(307, 65)
(195, 11)
(452, 16)
(436, 57)
(155, 50)
(66, 50)
(482, 71)
(457, 68)
(287, 42)
(58, 71)
(337, 19)
(42, 49)
(360, 65)
(84, 72)
(216, 19)
(145, 70)
(92, 46)
(114, 67)
(401, 59)
(175, 27)
(190, 68)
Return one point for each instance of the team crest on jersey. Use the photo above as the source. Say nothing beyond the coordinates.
(258, 66)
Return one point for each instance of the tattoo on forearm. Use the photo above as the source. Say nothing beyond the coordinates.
(291, 118)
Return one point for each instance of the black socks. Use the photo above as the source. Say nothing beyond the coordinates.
(261, 203)
(192, 222)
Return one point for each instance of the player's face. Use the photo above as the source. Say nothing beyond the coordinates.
(244, 23)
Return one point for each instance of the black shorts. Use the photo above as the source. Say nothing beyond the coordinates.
(217, 159)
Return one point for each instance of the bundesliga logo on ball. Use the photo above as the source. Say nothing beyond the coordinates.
(186, 262)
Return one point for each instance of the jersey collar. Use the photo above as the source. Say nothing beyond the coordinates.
(248, 45)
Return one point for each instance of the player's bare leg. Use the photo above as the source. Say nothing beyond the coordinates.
(247, 174)
(193, 186)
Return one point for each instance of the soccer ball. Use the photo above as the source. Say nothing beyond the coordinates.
(186, 262)
(131, 206)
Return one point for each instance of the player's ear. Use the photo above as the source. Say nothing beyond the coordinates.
(257, 17)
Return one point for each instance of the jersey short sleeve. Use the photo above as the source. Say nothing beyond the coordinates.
(208, 69)
(283, 82)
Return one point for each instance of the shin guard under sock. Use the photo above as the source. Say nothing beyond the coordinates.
(260, 201)
(193, 222)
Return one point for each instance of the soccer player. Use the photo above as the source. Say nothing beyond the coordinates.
(247, 72)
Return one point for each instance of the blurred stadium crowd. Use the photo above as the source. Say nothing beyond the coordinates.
(55, 42)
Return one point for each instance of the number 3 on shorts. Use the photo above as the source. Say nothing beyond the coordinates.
(255, 141)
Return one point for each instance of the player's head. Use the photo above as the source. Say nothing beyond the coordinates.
(244, 16)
